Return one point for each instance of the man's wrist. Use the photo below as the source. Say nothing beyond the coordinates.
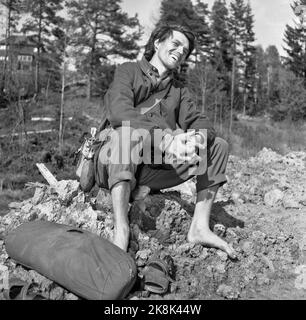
(200, 136)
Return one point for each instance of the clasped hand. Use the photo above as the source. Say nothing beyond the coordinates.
(184, 147)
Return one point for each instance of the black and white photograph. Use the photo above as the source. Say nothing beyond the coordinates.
(153, 153)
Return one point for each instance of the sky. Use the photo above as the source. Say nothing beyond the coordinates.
(271, 17)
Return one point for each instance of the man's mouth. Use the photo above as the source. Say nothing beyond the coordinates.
(174, 57)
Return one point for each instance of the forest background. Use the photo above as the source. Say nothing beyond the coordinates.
(255, 97)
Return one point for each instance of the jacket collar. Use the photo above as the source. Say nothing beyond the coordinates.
(148, 69)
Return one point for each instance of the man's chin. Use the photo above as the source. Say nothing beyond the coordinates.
(172, 66)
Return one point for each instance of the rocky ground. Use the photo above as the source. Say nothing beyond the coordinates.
(261, 211)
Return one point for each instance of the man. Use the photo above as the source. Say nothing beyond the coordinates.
(134, 83)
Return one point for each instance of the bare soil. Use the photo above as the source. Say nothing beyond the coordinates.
(261, 211)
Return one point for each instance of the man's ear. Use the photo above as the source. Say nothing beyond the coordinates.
(156, 44)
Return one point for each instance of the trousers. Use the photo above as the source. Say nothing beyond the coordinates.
(111, 167)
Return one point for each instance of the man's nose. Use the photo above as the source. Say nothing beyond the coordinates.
(180, 50)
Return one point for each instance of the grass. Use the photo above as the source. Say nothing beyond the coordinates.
(8, 195)
(248, 138)
(18, 159)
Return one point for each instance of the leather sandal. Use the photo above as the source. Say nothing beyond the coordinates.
(156, 276)
(21, 290)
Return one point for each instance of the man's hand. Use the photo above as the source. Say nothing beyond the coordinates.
(183, 147)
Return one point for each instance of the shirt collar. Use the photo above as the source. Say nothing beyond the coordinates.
(150, 70)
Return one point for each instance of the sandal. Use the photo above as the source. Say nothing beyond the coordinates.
(21, 290)
(156, 276)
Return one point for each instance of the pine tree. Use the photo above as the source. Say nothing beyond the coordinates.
(248, 38)
(102, 31)
(241, 25)
(273, 66)
(12, 8)
(195, 17)
(236, 28)
(295, 39)
(43, 19)
(220, 37)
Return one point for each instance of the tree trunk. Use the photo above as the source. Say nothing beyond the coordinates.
(204, 87)
(88, 95)
(232, 92)
(7, 36)
(61, 131)
(215, 110)
(37, 69)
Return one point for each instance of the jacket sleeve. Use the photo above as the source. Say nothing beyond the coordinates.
(120, 103)
(191, 118)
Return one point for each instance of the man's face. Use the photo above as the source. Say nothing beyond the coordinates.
(172, 51)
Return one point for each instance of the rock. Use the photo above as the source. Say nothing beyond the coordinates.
(291, 202)
(300, 281)
(223, 255)
(66, 190)
(4, 277)
(247, 247)
(15, 205)
(236, 197)
(227, 292)
(38, 195)
(56, 293)
(219, 229)
(71, 296)
(267, 156)
(273, 197)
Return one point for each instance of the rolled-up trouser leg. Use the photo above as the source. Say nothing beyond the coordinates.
(118, 159)
(217, 157)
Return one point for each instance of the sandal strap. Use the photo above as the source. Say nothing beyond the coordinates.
(155, 280)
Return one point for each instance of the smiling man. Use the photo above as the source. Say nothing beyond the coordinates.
(146, 97)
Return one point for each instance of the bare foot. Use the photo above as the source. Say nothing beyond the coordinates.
(208, 238)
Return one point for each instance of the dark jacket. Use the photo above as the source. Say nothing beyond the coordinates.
(135, 82)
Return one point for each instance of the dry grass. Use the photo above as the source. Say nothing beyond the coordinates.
(248, 138)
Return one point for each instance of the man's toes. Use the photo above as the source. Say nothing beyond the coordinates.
(231, 252)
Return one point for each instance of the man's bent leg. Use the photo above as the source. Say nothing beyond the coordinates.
(120, 199)
(207, 188)
(199, 231)
(119, 177)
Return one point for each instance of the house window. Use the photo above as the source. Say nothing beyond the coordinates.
(2, 47)
(2, 58)
(25, 58)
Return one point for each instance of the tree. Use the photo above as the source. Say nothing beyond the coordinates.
(243, 53)
(248, 58)
(220, 37)
(292, 102)
(12, 8)
(43, 19)
(102, 31)
(273, 63)
(195, 17)
(236, 28)
(295, 39)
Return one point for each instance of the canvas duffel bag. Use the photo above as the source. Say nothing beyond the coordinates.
(82, 262)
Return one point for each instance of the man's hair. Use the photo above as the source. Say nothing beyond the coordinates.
(162, 33)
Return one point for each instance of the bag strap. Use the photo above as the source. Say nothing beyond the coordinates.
(153, 100)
